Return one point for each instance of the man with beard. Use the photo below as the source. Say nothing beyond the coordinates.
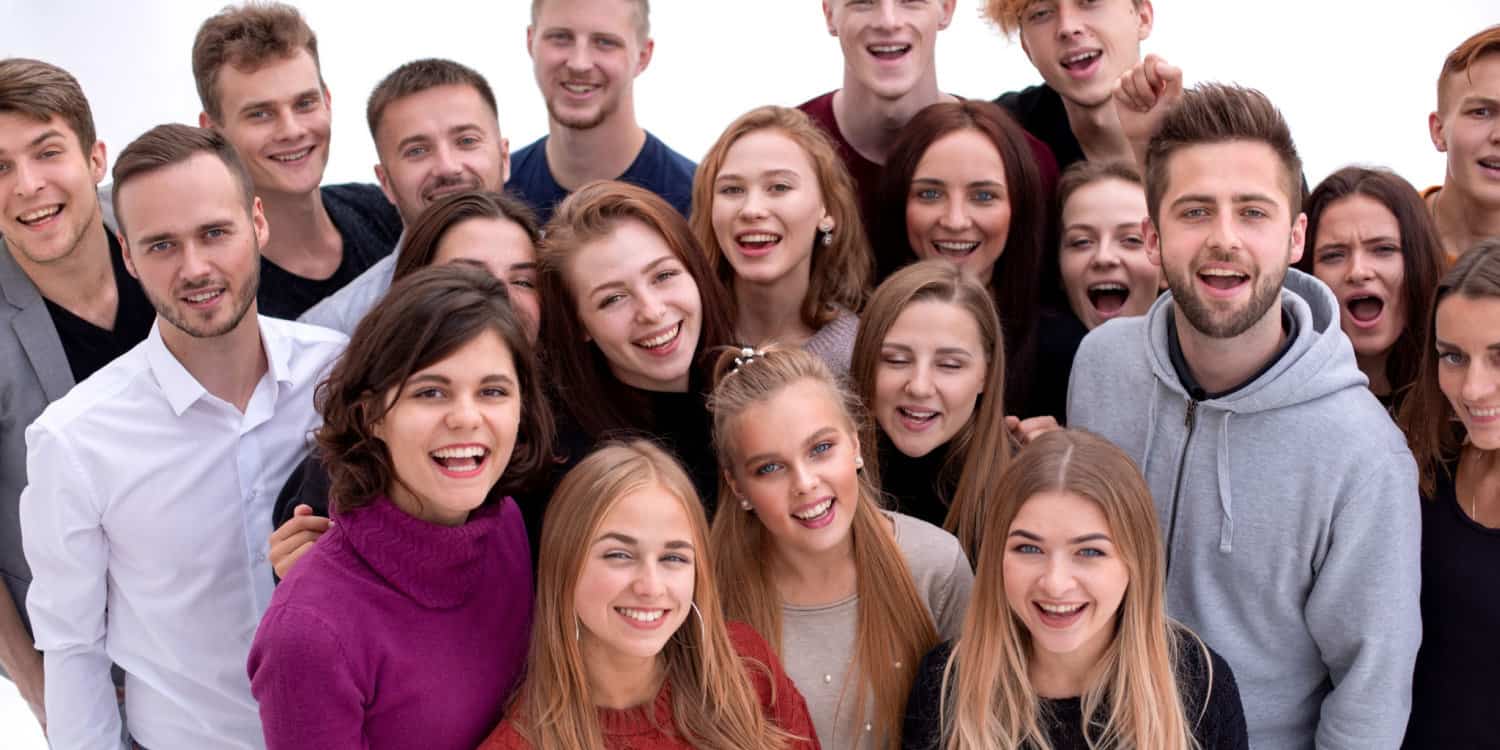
(437, 132)
(586, 55)
(151, 483)
(1287, 498)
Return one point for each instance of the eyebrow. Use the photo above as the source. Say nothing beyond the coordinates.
(653, 264)
(1473, 99)
(770, 172)
(975, 183)
(1095, 537)
(1441, 344)
(1237, 198)
(941, 350)
(1371, 241)
(152, 239)
(815, 437)
(432, 377)
(631, 541)
(37, 141)
(420, 137)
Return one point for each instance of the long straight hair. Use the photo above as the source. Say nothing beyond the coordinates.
(714, 703)
(595, 399)
(840, 271)
(894, 624)
(1422, 257)
(982, 449)
(1431, 427)
(990, 703)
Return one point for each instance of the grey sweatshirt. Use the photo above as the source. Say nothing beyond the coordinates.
(1290, 514)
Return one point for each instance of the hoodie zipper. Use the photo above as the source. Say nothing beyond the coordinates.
(1191, 423)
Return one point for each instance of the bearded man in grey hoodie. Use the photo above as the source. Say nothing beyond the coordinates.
(1287, 497)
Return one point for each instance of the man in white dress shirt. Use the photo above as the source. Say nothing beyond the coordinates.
(151, 482)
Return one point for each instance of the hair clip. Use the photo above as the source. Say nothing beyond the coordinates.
(746, 356)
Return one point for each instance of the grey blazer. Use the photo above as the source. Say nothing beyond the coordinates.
(34, 372)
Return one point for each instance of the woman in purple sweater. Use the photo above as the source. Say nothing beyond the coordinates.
(407, 624)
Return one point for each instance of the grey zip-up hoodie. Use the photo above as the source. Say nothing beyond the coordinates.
(1289, 509)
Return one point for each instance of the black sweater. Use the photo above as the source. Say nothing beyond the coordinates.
(1220, 725)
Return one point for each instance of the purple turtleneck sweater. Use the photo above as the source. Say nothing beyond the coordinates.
(393, 632)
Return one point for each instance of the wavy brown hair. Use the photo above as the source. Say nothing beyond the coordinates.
(1432, 429)
(595, 399)
(1422, 256)
(424, 236)
(714, 704)
(893, 622)
(1019, 274)
(248, 37)
(988, 701)
(423, 319)
(839, 274)
(981, 451)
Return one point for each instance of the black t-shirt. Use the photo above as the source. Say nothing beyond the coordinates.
(369, 226)
(1211, 702)
(89, 347)
(1454, 699)
(1040, 111)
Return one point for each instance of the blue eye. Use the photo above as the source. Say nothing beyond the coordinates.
(1091, 552)
(1027, 549)
(765, 469)
(822, 448)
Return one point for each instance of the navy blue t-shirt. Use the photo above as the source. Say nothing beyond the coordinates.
(656, 168)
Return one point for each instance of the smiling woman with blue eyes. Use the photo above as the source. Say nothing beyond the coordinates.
(406, 624)
(961, 184)
(848, 596)
(1066, 645)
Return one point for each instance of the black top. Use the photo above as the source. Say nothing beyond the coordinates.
(1058, 334)
(369, 226)
(89, 347)
(914, 485)
(1040, 111)
(1454, 698)
(1219, 725)
(1185, 375)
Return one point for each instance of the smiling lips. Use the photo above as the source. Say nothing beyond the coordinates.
(460, 461)
(292, 157)
(955, 248)
(816, 515)
(1080, 63)
(888, 51)
(755, 244)
(662, 342)
(38, 217)
(643, 618)
(1059, 616)
(1223, 279)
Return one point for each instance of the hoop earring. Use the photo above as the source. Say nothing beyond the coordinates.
(577, 629)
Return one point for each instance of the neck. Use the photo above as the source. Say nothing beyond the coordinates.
(1067, 675)
(871, 124)
(772, 312)
(1221, 364)
(1462, 220)
(304, 236)
(619, 681)
(812, 578)
(1098, 132)
(1373, 366)
(83, 279)
(602, 152)
(228, 366)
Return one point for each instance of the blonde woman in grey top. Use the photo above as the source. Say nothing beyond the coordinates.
(847, 594)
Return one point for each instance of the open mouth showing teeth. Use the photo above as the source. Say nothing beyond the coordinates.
(758, 240)
(1080, 60)
(1060, 609)
(1485, 413)
(461, 459)
(295, 156)
(662, 339)
(204, 296)
(40, 215)
(955, 249)
(1108, 297)
(642, 615)
(1222, 278)
(917, 415)
(1365, 309)
(580, 88)
(815, 512)
(1492, 163)
(888, 51)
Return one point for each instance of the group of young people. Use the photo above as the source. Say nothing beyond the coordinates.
(1070, 420)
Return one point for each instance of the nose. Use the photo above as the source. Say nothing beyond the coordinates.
(195, 262)
(803, 479)
(1069, 20)
(1222, 234)
(1359, 267)
(463, 413)
(446, 161)
(754, 204)
(887, 15)
(919, 385)
(1480, 382)
(649, 306)
(1106, 255)
(647, 583)
(1057, 576)
(28, 180)
(580, 57)
(288, 127)
(955, 216)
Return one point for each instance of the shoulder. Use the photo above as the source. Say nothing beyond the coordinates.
(307, 343)
(747, 642)
(505, 737)
(930, 552)
(360, 195)
(819, 108)
(669, 156)
(1022, 102)
(1120, 342)
(1204, 678)
(110, 385)
(531, 154)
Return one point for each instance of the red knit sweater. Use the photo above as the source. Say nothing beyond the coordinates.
(633, 728)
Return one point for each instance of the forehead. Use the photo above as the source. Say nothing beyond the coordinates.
(1223, 170)
(765, 150)
(616, 17)
(18, 131)
(1481, 79)
(277, 78)
(1357, 212)
(481, 356)
(1469, 322)
(179, 198)
(859, 13)
(965, 153)
(651, 514)
(933, 324)
(432, 112)
(788, 417)
(620, 255)
(1060, 513)
(1106, 200)
(484, 237)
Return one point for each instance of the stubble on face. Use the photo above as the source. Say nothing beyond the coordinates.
(1217, 323)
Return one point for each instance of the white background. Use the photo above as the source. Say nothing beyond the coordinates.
(1356, 78)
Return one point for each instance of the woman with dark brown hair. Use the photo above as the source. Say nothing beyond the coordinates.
(961, 184)
(631, 316)
(1370, 239)
(406, 624)
(1452, 420)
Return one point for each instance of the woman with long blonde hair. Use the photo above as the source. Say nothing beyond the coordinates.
(929, 363)
(849, 596)
(629, 647)
(1067, 643)
(776, 214)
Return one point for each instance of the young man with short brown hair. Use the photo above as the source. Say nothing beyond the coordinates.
(1466, 127)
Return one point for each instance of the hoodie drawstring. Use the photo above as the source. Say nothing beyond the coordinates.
(1150, 431)
(1226, 500)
